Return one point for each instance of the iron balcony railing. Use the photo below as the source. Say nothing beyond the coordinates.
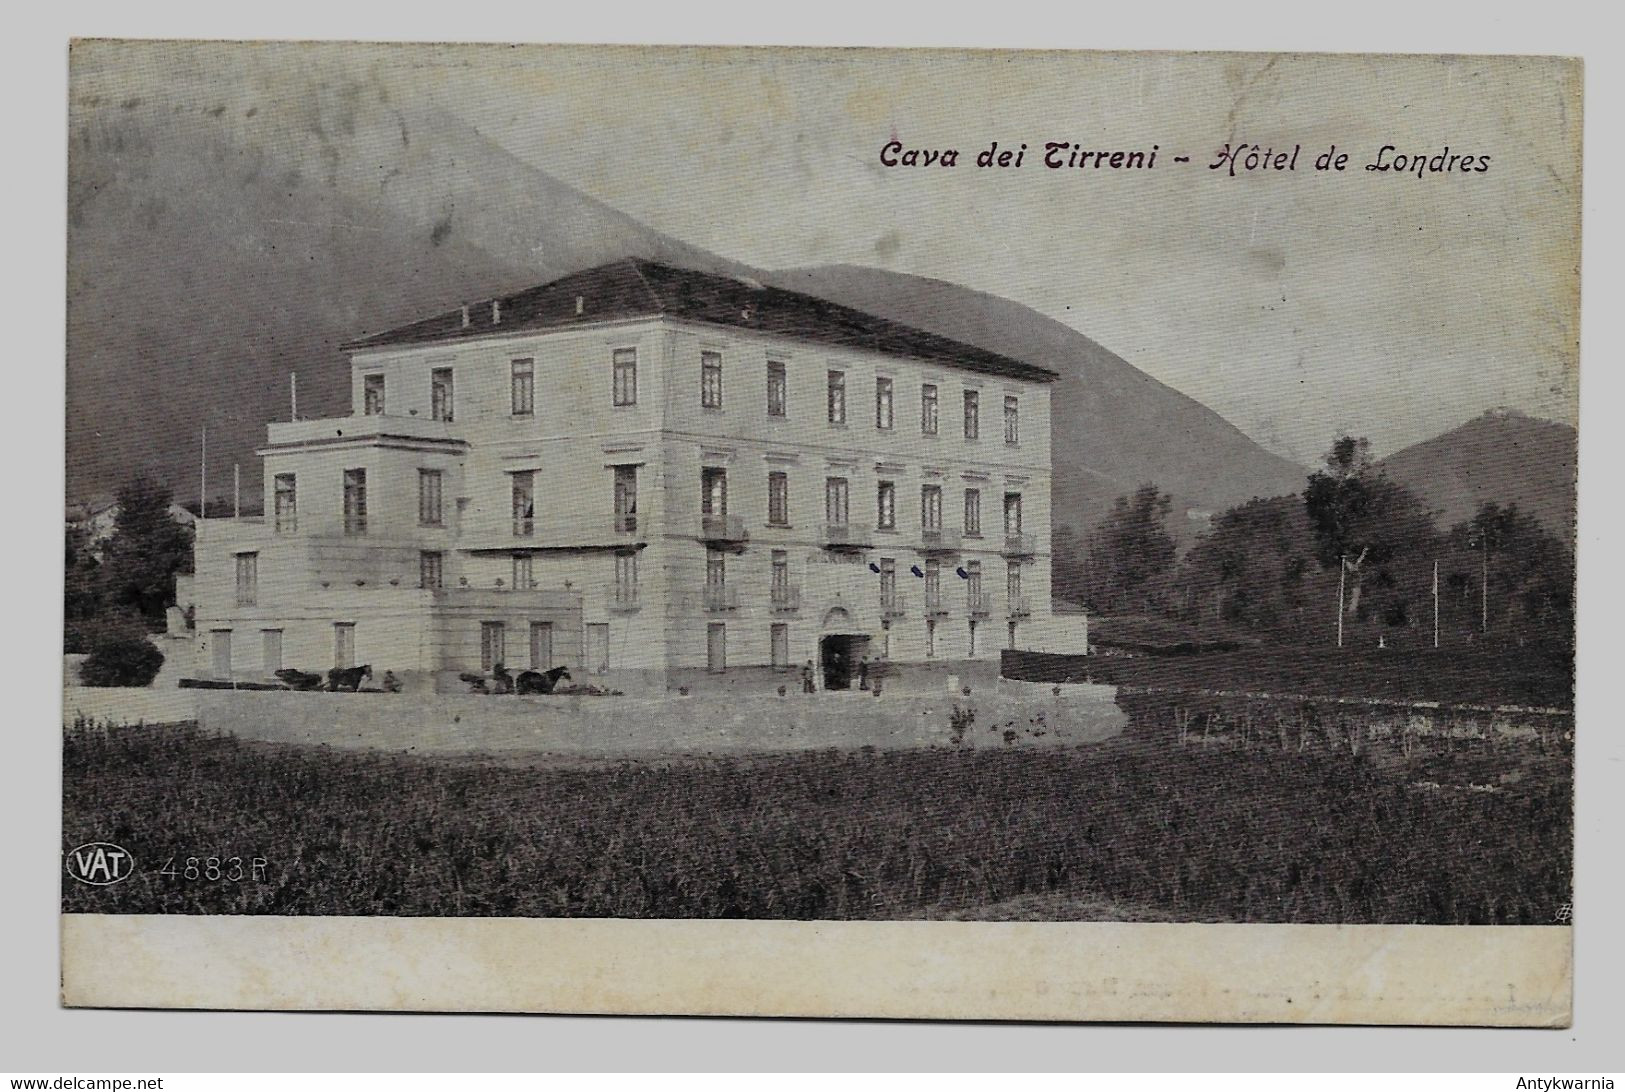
(935, 605)
(1020, 606)
(939, 539)
(720, 528)
(847, 536)
(1020, 544)
(979, 604)
(892, 605)
(786, 597)
(721, 597)
(626, 523)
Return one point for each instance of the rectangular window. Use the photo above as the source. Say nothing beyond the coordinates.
(883, 403)
(221, 639)
(973, 583)
(973, 637)
(372, 395)
(343, 644)
(1012, 513)
(930, 638)
(524, 503)
(493, 646)
(713, 491)
(440, 394)
(355, 501)
(626, 579)
(626, 377)
(781, 569)
(287, 503)
(778, 394)
(888, 580)
(931, 507)
(431, 570)
(835, 501)
(541, 646)
(716, 647)
(781, 645)
(933, 583)
(716, 569)
(973, 512)
(778, 498)
(928, 409)
(248, 579)
(973, 414)
(524, 577)
(522, 387)
(711, 380)
(431, 512)
(1012, 583)
(271, 642)
(837, 398)
(597, 651)
(626, 499)
(1012, 420)
(886, 506)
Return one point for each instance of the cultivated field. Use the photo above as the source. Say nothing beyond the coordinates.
(1169, 821)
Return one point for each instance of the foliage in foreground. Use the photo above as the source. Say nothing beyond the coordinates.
(1156, 831)
(120, 657)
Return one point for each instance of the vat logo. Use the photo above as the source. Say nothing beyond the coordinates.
(100, 863)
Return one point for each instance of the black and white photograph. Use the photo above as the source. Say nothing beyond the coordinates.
(613, 488)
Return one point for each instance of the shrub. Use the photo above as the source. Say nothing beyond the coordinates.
(121, 657)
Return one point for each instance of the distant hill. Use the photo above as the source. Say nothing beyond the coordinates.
(1501, 456)
(1114, 426)
(223, 234)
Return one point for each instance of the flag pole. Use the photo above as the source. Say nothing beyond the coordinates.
(1435, 602)
(236, 491)
(203, 478)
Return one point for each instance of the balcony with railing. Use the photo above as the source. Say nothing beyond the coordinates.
(935, 605)
(1020, 606)
(722, 529)
(1020, 544)
(368, 427)
(979, 604)
(721, 597)
(892, 604)
(847, 536)
(939, 540)
(786, 597)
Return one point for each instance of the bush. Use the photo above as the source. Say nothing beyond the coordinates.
(121, 657)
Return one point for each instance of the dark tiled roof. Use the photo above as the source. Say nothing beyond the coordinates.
(637, 288)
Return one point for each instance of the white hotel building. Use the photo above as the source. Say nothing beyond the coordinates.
(657, 478)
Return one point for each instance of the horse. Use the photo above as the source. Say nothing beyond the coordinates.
(299, 680)
(503, 680)
(348, 678)
(540, 682)
(476, 683)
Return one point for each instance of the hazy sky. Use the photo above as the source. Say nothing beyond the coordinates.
(1295, 304)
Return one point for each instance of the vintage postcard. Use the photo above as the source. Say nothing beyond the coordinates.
(894, 533)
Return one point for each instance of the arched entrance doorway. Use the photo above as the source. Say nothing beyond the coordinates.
(840, 649)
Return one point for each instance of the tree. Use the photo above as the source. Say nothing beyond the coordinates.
(1255, 568)
(1505, 572)
(1131, 553)
(1364, 521)
(1069, 568)
(120, 656)
(145, 551)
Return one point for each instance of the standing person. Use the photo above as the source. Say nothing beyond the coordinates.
(807, 685)
(863, 672)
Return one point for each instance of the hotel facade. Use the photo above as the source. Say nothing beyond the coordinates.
(656, 478)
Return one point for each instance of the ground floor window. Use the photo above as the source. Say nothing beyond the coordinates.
(343, 644)
(930, 638)
(973, 638)
(597, 653)
(272, 639)
(493, 650)
(220, 639)
(716, 647)
(1010, 642)
(781, 645)
(541, 646)
(523, 577)
(431, 569)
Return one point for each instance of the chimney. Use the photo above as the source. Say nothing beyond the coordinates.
(581, 304)
(496, 312)
(466, 319)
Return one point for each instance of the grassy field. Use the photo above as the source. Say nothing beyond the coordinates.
(1527, 677)
(1137, 828)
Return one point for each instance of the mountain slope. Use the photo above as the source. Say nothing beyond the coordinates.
(1501, 456)
(1114, 426)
